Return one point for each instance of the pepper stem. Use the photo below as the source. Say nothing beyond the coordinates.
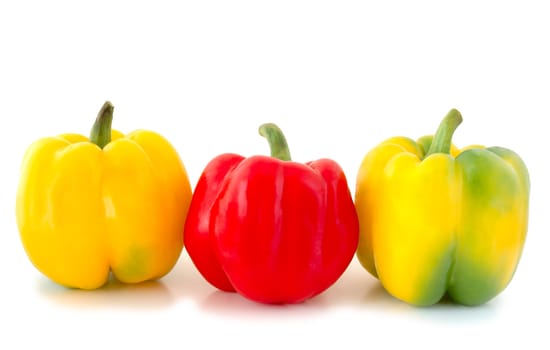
(442, 139)
(101, 131)
(277, 141)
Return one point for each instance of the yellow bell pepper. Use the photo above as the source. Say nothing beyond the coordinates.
(436, 220)
(116, 203)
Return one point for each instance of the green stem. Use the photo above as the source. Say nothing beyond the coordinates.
(101, 131)
(276, 140)
(442, 139)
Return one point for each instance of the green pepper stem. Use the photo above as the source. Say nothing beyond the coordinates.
(442, 139)
(277, 141)
(101, 131)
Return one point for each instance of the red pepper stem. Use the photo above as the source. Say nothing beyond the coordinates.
(101, 131)
(442, 139)
(277, 141)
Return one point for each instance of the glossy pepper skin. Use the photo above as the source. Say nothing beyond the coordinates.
(117, 203)
(436, 220)
(273, 230)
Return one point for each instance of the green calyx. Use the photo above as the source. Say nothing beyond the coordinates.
(101, 130)
(277, 141)
(441, 142)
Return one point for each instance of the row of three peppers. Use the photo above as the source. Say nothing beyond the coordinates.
(428, 219)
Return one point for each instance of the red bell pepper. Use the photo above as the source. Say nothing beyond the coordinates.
(273, 230)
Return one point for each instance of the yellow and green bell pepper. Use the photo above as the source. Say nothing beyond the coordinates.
(117, 203)
(436, 220)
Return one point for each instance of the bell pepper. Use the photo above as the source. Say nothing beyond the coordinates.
(436, 220)
(117, 203)
(273, 230)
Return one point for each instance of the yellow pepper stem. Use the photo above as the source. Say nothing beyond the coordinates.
(442, 139)
(101, 130)
(277, 141)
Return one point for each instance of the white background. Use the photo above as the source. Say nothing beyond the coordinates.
(338, 77)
